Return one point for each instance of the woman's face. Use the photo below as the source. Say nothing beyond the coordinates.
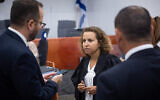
(90, 43)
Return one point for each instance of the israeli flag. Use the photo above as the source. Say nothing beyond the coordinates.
(81, 20)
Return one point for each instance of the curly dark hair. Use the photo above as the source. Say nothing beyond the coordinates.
(156, 30)
(103, 39)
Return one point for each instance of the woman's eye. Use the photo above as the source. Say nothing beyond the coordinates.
(90, 40)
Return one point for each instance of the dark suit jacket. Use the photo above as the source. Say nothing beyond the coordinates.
(104, 62)
(20, 75)
(137, 78)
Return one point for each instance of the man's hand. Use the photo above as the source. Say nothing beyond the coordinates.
(57, 78)
(48, 75)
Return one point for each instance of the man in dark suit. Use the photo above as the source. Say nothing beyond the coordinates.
(138, 77)
(20, 75)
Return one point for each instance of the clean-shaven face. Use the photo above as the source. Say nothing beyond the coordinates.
(90, 43)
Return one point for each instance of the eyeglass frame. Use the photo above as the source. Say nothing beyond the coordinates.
(42, 24)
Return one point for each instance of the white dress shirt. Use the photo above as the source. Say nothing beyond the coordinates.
(158, 44)
(136, 49)
(89, 81)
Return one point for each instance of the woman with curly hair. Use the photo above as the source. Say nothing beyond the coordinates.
(156, 31)
(96, 45)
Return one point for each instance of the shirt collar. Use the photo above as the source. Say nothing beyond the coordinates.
(136, 49)
(158, 44)
(19, 34)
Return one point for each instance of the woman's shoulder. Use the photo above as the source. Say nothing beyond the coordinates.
(112, 58)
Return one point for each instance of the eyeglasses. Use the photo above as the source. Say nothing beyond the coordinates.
(42, 24)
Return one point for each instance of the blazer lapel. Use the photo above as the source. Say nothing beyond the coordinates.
(85, 67)
(100, 62)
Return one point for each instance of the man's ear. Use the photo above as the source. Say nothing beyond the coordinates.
(31, 24)
(118, 35)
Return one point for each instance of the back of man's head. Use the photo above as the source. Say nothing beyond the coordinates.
(24, 10)
(135, 23)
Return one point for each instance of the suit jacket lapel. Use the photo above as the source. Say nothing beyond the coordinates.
(85, 67)
(100, 62)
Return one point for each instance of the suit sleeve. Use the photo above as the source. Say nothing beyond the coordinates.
(27, 80)
(106, 90)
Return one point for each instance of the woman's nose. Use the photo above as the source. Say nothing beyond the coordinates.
(86, 43)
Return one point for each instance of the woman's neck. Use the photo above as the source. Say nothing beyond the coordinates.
(95, 55)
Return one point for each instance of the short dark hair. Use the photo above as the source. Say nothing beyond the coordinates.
(103, 39)
(135, 23)
(24, 10)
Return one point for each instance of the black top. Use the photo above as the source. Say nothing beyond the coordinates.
(105, 61)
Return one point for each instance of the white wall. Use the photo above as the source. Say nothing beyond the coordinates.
(54, 10)
(100, 12)
(5, 9)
